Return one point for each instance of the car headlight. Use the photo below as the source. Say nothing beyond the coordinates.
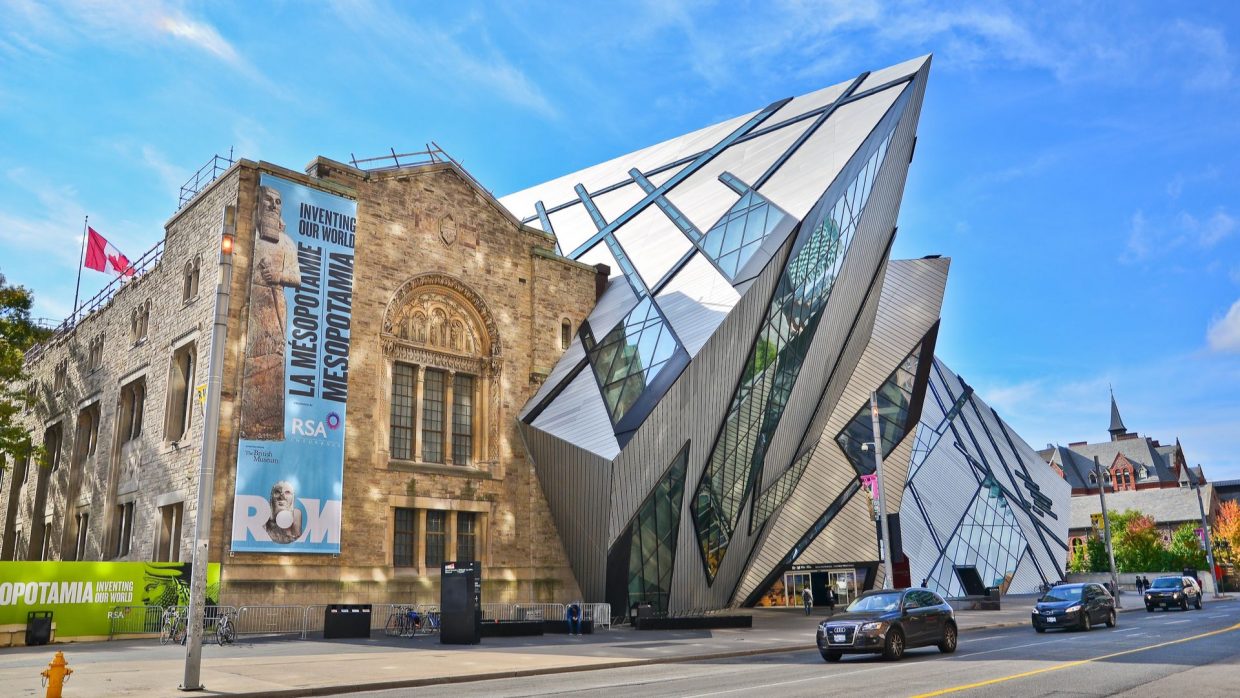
(872, 626)
(1176, 595)
(1072, 609)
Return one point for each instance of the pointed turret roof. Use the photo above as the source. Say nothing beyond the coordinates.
(1117, 424)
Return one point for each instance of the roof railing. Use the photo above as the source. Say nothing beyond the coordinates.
(206, 174)
(432, 154)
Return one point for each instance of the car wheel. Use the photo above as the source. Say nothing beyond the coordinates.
(1149, 608)
(1198, 603)
(1183, 604)
(1111, 619)
(948, 645)
(893, 649)
(831, 656)
(1085, 624)
(1041, 630)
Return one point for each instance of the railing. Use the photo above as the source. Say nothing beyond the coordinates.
(271, 620)
(144, 264)
(432, 155)
(206, 174)
(135, 620)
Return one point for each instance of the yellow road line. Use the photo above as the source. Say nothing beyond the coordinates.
(1069, 665)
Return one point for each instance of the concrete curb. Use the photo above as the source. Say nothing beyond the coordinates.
(521, 673)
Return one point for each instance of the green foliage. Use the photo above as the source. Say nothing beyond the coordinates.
(763, 356)
(17, 334)
(1138, 546)
(1186, 550)
(1096, 551)
(1079, 562)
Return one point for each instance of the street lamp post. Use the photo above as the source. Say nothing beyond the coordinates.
(206, 462)
(1205, 528)
(889, 582)
(1106, 528)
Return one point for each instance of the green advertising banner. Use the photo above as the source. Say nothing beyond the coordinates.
(85, 598)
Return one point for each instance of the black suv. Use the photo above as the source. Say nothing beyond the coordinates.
(887, 622)
(1074, 606)
(1180, 592)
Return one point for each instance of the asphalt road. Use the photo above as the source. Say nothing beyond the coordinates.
(1194, 653)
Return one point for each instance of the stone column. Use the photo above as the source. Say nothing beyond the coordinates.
(449, 548)
(449, 390)
(417, 415)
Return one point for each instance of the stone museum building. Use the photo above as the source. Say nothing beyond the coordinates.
(646, 381)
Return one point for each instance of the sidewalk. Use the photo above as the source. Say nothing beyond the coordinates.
(278, 667)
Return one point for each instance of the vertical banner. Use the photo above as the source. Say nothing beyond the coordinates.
(290, 460)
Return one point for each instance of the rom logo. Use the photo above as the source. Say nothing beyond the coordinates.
(310, 427)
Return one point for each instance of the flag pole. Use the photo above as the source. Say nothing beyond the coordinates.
(78, 289)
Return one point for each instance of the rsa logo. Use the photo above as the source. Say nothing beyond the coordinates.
(314, 428)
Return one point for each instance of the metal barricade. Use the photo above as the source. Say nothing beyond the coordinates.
(312, 619)
(541, 611)
(599, 613)
(135, 620)
(270, 620)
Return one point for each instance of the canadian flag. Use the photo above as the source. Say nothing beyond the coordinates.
(102, 255)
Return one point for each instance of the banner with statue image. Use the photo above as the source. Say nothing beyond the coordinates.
(290, 457)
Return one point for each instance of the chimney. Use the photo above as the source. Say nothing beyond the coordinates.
(1078, 443)
(1156, 444)
(602, 273)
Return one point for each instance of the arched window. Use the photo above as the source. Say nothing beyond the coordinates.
(566, 334)
(1093, 479)
(189, 286)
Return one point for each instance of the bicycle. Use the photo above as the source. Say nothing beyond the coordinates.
(404, 621)
(172, 626)
(225, 629)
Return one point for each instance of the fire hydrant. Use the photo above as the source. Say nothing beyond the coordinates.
(56, 674)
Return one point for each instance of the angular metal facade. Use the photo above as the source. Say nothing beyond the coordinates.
(747, 260)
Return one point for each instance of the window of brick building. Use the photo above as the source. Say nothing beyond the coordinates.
(566, 334)
(139, 320)
(466, 536)
(421, 430)
(189, 286)
(180, 393)
(81, 523)
(60, 376)
(436, 538)
(124, 529)
(168, 547)
(404, 386)
(463, 419)
(432, 416)
(129, 419)
(45, 548)
(51, 445)
(94, 356)
(405, 537)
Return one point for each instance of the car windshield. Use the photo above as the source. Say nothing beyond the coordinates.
(876, 602)
(1062, 594)
(1166, 583)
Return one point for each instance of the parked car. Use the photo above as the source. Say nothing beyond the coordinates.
(888, 622)
(1074, 606)
(1180, 592)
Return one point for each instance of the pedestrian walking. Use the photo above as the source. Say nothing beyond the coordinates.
(807, 597)
(923, 583)
(830, 601)
(1140, 588)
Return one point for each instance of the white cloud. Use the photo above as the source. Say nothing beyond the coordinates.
(1224, 333)
(1140, 239)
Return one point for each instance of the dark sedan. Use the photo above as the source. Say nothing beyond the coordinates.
(1074, 606)
(888, 622)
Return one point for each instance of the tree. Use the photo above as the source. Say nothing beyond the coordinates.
(1185, 550)
(1097, 553)
(1137, 544)
(1079, 560)
(17, 334)
(1227, 531)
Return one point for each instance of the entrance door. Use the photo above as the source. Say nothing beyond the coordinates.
(844, 582)
(794, 582)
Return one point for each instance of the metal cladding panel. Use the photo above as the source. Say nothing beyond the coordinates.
(691, 410)
(572, 225)
(945, 486)
(654, 244)
(1026, 579)
(614, 203)
(600, 254)
(695, 301)
(616, 302)
(704, 199)
(880, 77)
(577, 485)
(848, 538)
(560, 190)
(578, 416)
(810, 101)
(800, 182)
(572, 356)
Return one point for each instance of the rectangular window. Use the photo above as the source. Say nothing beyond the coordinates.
(82, 521)
(436, 534)
(466, 536)
(60, 376)
(463, 420)
(45, 549)
(124, 528)
(180, 394)
(168, 549)
(51, 445)
(95, 356)
(133, 399)
(404, 379)
(432, 417)
(404, 537)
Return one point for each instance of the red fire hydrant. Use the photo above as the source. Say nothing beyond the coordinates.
(55, 675)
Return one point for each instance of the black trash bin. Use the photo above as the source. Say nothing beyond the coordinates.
(346, 621)
(640, 611)
(38, 628)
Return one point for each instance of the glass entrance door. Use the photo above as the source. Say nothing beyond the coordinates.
(794, 582)
(844, 582)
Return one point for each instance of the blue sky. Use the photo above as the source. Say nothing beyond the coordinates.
(1078, 163)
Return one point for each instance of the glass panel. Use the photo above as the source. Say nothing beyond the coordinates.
(989, 538)
(403, 377)
(436, 532)
(466, 536)
(631, 355)
(403, 537)
(463, 420)
(780, 491)
(432, 417)
(654, 529)
(739, 233)
(894, 397)
(774, 363)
